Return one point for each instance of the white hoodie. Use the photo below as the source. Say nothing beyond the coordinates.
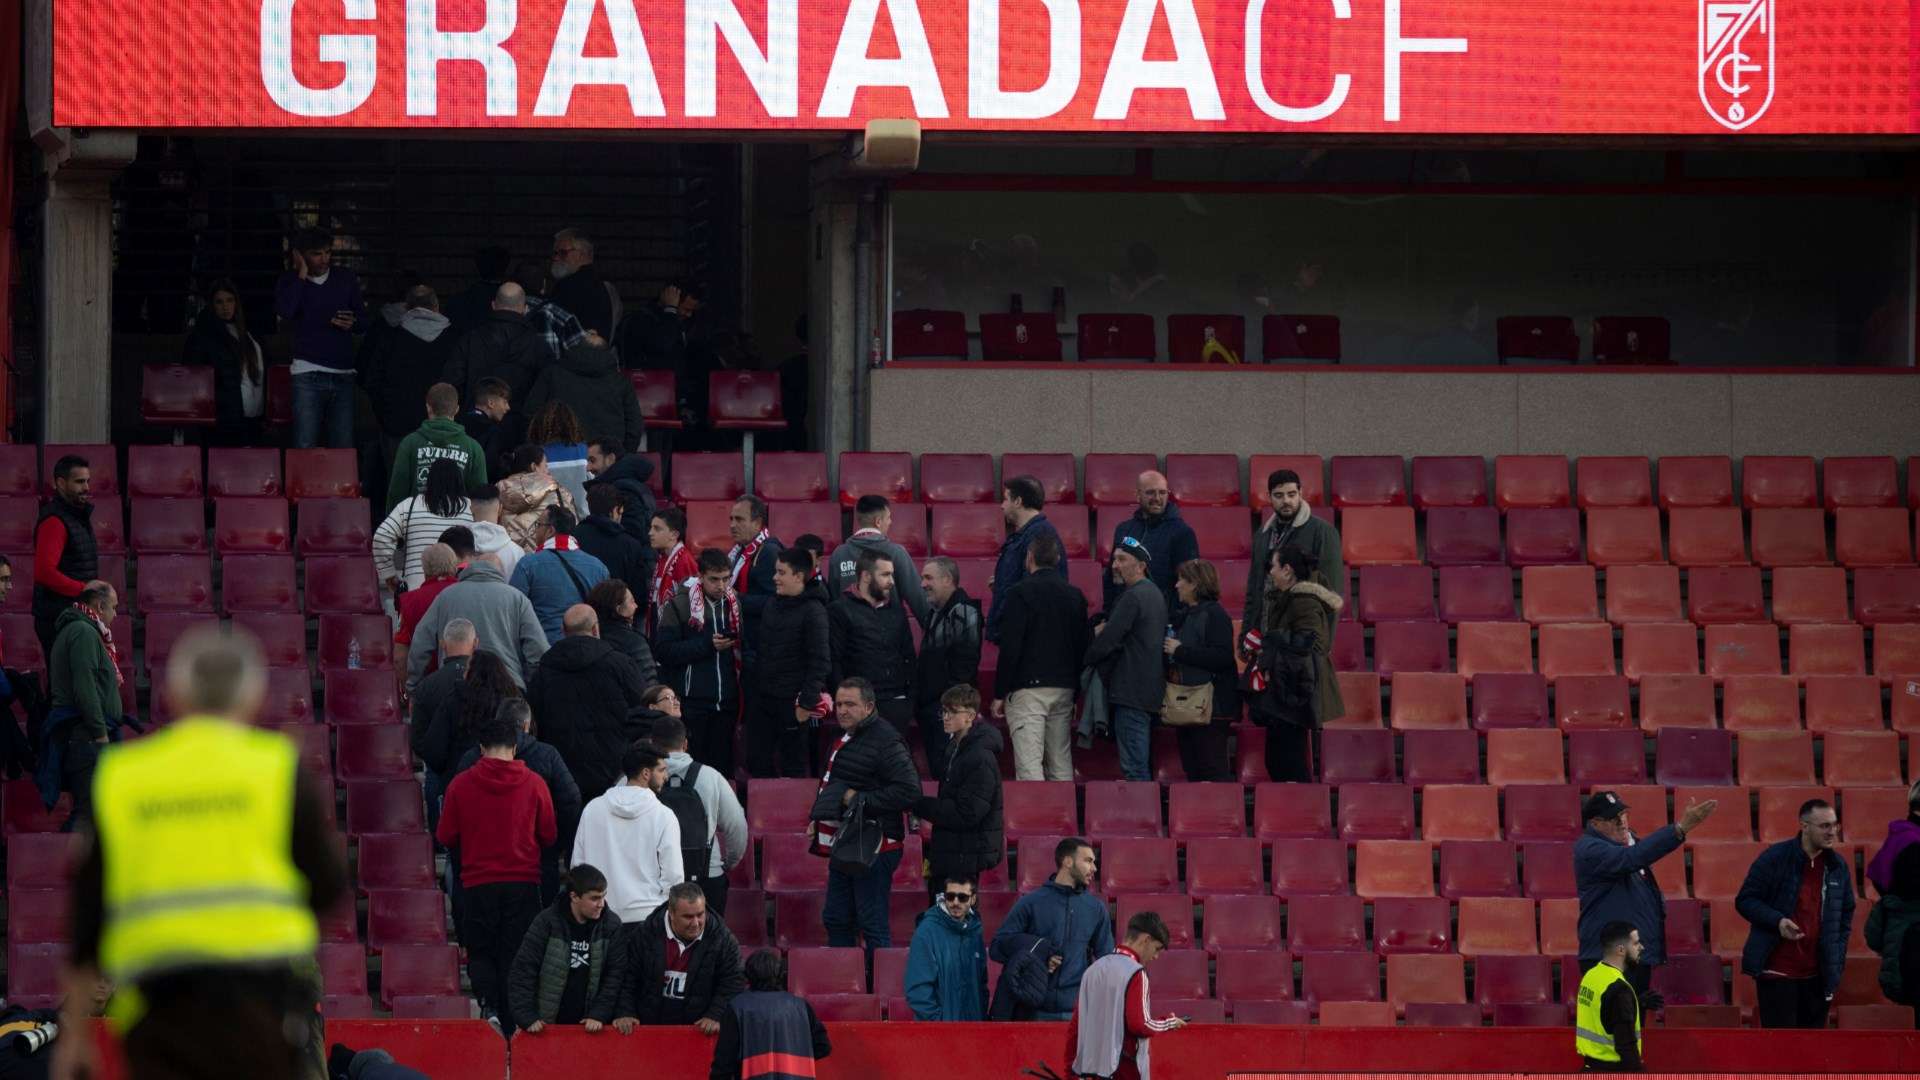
(635, 840)
(490, 538)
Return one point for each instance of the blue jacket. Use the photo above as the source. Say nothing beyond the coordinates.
(1012, 567)
(1169, 541)
(947, 968)
(1074, 918)
(1616, 884)
(552, 589)
(1772, 891)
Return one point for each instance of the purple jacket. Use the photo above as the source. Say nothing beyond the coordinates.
(1901, 835)
(310, 308)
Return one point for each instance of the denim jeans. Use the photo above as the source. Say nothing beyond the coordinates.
(323, 409)
(861, 903)
(1133, 730)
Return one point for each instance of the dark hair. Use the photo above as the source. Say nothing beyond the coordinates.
(1203, 577)
(870, 560)
(523, 458)
(637, 756)
(460, 539)
(1615, 934)
(675, 519)
(1294, 559)
(95, 593)
(561, 520)
(4, 561)
(960, 696)
(1148, 924)
(239, 345)
(488, 683)
(446, 488)
(1282, 476)
(1026, 491)
(766, 970)
(496, 731)
(1811, 805)
(556, 423)
(583, 878)
(811, 544)
(651, 696)
(1067, 849)
(756, 508)
(491, 263)
(859, 686)
(711, 559)
(492, 388)
(796, 559)
(305, 240)
(605, 599)
(870, 506)
(669, 733)
(608, 446)
(483, 493)
(960, 877)
(63, 469)
(1045, 549)
(602, 499)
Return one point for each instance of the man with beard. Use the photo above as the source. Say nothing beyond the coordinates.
(868, 638)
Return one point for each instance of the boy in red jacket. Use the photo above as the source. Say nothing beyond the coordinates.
(497, 817)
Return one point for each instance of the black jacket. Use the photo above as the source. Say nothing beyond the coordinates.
(949, 650)
(629, 476)
(713, 973)
(545, 762)
(627, 558)
(1043, 635)
(1168, 538)
(506, 346)
(440, 745)
(211, 343)
(655, 338)
(1206, 654)
(753, 602)
(968, 833)
(877, 764)
(397, 368)
(79, 559)
(585, 297)
(871, 642)
(632, 644)
(795, 655)
(433, 691)
(495, 437)
(689, 665)
(585, 699)
(1128, 652)
(589, 381)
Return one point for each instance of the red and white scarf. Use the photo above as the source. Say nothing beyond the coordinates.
(729, 618)
(1256, 678)
(106, 638)
(823, 831)
(743, 556)
(560, 542)
(676, 570)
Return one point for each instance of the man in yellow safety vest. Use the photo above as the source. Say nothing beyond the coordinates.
(196, 892)
(1606, 1022)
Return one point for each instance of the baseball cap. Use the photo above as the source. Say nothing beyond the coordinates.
(1602, 804)
(1132, 546)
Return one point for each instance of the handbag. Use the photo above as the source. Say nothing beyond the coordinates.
(1187, 706)
(856, 843)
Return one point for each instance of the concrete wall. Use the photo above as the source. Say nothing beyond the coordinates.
(1253, 410)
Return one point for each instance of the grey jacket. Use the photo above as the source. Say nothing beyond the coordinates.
(906, 579)
(502, 617)
(1315, 536)
(1128, 652)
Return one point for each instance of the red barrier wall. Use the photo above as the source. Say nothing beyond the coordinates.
(443, 1049)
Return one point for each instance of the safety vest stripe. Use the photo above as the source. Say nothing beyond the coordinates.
(1595, 1037)
(776, 1063)
(156, 905)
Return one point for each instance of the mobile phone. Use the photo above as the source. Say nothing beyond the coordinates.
(1186, 1019)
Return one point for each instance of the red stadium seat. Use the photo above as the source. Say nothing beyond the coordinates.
(260, 583)
(1637, 594)
(1055, 472)
(1133, 864)
(1360, 691)
(1229, 865)
(1498, 926)
(708, 477)
(1317, 924)
(1371, 535)
(374, 753)
(1441, 757)
(1175, 908)
(1287, 338)
(1242, 922)
(1031, 808)
(1601, 758)
(1780, 809)
(40, 860)
(1530, 481)
(707, 524)
(1026, 337)
(1375, 812)
(1559, 594)
(1417, 978)
(323, 474)
(396, 860)
(1591, 702)
(176, 583)
(1368, 481)
(887, 474)
(1410, 646)
(1772, 757)
(1114, 479)
(1659, 649)
(822, 519)
(1478, 868)
(1180, 974)
(1537, 337)
(659, 396)
(1827, 649)
(1691, 756)
(339, 634)
(967, 530)
(1623, 536)
(1725, 594)
(787, 866)
(1513, 980)
(1884, 595)
(1076, 536)
(17, 525)
(102, 465)
(1200, 810)
(1538, 812)
(796, 476)
(419, 973)
(928, 334)
(162, 631)
(813, 971)
(1460, 536)
(1429, 701)
(289, 696)
(1870, 536)
(1349, 647)
(19, 470)
(1778, 482)
(783, 806)
(1357, 756)
(1681, 701)
(1896, 652)
(1431, 1014)
(1395, 593)
(1612, 482)
(1306, 466)
(1476, 593)
(405, 917)
(1742, 649)
(176, 395)
(1123, 808)
(1460, 812)
(385, 806)
(746, 400)
(1201, 339)
(945, 478)
(334, 527)
(1524, 756)
(1877, 1017)
(1254, 975)
(1106, 337)
(1809, 594)
(1865, 811)
(1536, 536)
(1547, 867)
(1500, 648)
(1862, 759)
(1341, 977)
(1221, 532)
(1290, 812)
(167, 472)
(365, 696)
(1705, 480)
(243, 525)
(1310, 868)
(168, 527)
(1712, 536)
(1631, 339)
(1790, 537)
(341, 584)
(1861, 482)
(1195, 479)
(1690, 980)
(1449, 481)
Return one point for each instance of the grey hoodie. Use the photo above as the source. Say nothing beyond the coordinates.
(840, 571)
(502, 617)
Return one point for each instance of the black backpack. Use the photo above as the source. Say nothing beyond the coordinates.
(678, 796)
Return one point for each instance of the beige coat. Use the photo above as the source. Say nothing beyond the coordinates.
(524, 498)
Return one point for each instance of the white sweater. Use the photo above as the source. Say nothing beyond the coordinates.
(630, 835)
(416, 527)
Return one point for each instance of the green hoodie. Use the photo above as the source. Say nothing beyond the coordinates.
(437, 438)
(82, 673)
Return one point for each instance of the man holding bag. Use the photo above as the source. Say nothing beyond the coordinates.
(859, 818)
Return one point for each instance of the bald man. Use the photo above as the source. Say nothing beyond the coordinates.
(505, 346)
(1168, 538)
(586, 699)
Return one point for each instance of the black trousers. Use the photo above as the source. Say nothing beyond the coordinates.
(82, 757)
(1203, 750)
(1290, 754)
(716, 889)
(1792, 1003)
(710, 735)
(214, 1023)
(776, 745)
(43, 629)
(497, 918)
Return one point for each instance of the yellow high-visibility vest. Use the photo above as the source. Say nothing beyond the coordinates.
(195, 826)
(1589, 1031)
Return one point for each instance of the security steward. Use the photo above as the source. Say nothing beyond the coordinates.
(198, 890)
(1606, 1023)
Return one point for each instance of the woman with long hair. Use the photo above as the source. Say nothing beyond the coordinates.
(612, 600)
(526, 492)
(220, 339)
(1297, 692)
(416, 524)
(472, 704)
(1200, 653)
(557, 431)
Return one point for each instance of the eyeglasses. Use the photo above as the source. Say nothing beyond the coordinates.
(959, 897)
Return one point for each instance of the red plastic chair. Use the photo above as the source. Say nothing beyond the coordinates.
(822, 519)
(1441, 757)
(1827, 649)
(1701, 481)
(1135, 864)
(258, 583)
(1601, 758)
(1790, 537)
(744, 401)
(1317, 924)
(1196, 480)
(1778, 482)
(1104, 336)
(1693, 756)
(1460, 812)
(1631, 339)
(17, 524)
(1478, 868)
(243, 472)
(1547, 866)
(169, 527)
(1740, 649)
(1253, 975)
(334, 527)
(1409, 646)
(177, 395)
(1680, 701)
(1809, 594)
(1429, 979)
(1513, 980)
(1306, 466)
(927, 334)
(1659, 649)
(1524, 756)
(1475, 593)
(1310, 868)
(1861, 482)
(1549, 338)
(176, 583)
(791, 477)
(1242, 922)
(967, 530)
(35, 977)
(341, 584)
(162, 631)
(1498, 926)
(885, 474)
(1623, 536)
(714, 476)
(341, 632)
(1206, 810)
(1173, 907)
(1497, 648)
(1452, 481)
(1886, 595)
(1223, 537)
(323, 474)
(1341, 977)
(282, 634)
(374, 753)
(1025, 337)
(1538, 536)
(1395, 593)
(396, 861)
(944, 478)
(787, 866)
(1870, 536)
(1643, 594)
(169, 472)
(102, 466)
(1533, 481)
(1199, 339)
(360, 697)
(1113, 479)
(385, 806)
(1429, 701)
(1725, 594)
(659, 398)
(1612, 482)
(1368, 481)
(1375, 812)
(251, 525)
(1589, 702)
(1775, 757)
(1862, 759)
(1287, 338)
(1538, 812)
(1123, 808)
(19, 470)
(405, 917)
(1292, 812)
(1378, 534)
(1559, 594)
(1357, 757)
(419, 972)
(1224, 865)
(813, 971)
(1712, 536)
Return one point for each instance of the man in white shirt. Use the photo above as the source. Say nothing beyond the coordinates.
(631, 836)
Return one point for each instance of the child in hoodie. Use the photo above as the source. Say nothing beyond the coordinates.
(497, 816)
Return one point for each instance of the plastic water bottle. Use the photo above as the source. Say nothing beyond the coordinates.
(353, 655)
